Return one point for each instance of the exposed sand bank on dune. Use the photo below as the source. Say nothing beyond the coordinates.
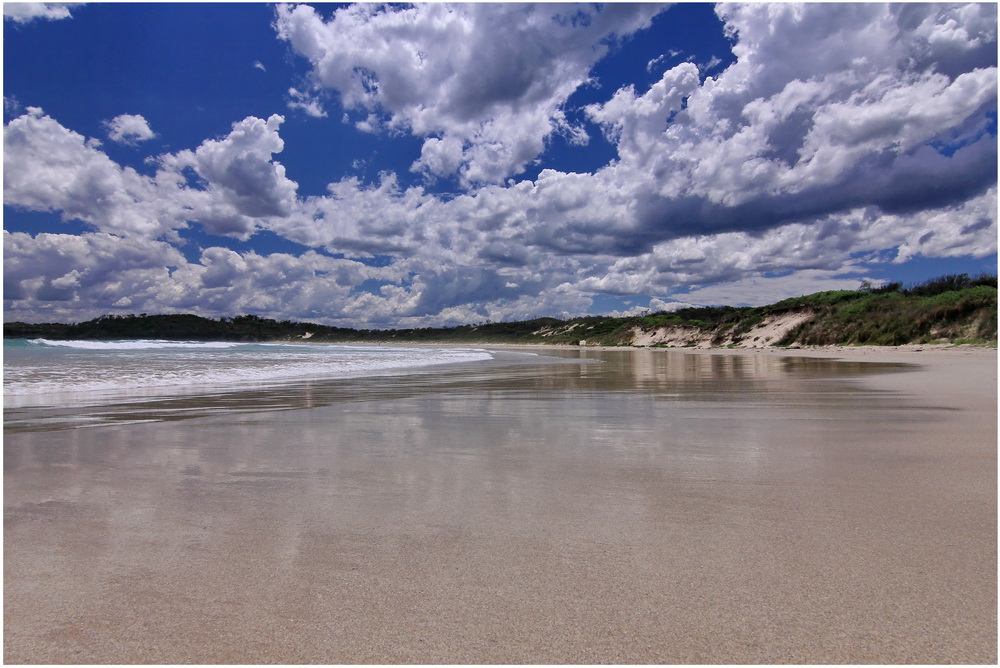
(769, 331)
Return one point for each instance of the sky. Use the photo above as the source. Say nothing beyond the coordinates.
(382, 166)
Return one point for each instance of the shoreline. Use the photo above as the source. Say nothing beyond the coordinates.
(911, 352)
(669, 506)
(909, 347)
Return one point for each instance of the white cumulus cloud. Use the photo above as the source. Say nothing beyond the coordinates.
(841, 132)
(242, 184)
(237, 185)
(492, 77)
(48, 167)
(129, 129)
(59, 277)
(23, 12)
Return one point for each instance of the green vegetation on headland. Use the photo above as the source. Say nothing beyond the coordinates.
(950, 309)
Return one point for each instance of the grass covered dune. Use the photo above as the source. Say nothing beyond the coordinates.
(951, 309)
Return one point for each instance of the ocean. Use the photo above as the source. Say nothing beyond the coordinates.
(63, 375)
(57, 385)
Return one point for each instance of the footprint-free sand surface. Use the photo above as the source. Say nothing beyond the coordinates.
(623, 506)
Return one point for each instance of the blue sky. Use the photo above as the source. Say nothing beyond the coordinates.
(433, 164)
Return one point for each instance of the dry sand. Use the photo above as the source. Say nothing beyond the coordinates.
(660, 507)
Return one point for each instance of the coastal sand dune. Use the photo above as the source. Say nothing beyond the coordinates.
(769, 331)
(633, 506)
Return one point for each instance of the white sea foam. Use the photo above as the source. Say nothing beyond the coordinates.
(46, 367)
(139, 344)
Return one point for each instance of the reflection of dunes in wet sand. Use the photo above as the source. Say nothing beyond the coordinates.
(652, 507)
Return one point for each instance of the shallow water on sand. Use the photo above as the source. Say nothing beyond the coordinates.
(669, 375)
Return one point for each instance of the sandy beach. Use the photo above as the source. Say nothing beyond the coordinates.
(626, 506)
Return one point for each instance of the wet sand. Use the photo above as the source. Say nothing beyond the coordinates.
(654, 507)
